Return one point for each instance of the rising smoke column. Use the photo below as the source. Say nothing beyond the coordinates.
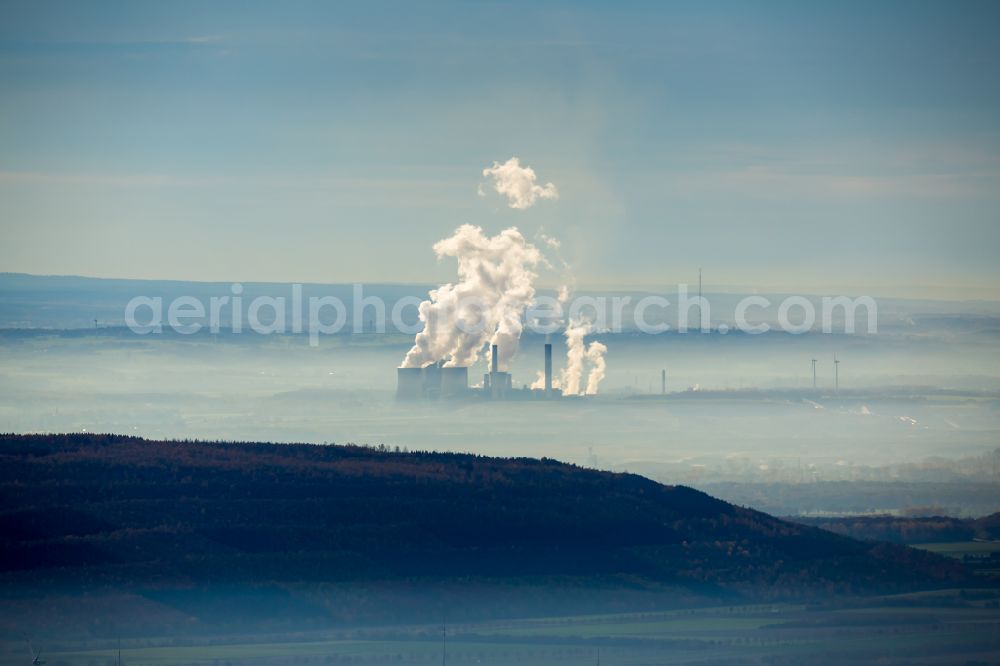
(496, 276)
(539, 382)
(577, 353)
(595, 355)
(569, 378)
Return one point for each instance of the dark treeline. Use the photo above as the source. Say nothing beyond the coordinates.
(901, 529)
(179, 518)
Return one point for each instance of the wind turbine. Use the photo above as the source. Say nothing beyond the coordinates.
(814, 374)
(836, 373)
(36, 657)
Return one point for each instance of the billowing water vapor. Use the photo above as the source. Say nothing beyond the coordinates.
(569, 379)
(518, 184)
(578, 353)
(496, 276)
(539, 382)
(595, 356)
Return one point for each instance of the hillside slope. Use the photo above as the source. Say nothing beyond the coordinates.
(900, 529)
(175, 521)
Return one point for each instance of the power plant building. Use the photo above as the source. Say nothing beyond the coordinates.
(495, 383)
(437, 381)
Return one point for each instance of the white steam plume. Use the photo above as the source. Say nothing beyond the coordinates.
(595, 355)
(570, 376)
(517, 183)
(539, 382)
(577, 352)
(495, 285)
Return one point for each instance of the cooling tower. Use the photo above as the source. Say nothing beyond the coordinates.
(454, 381)
(431, 381)
(409, 383)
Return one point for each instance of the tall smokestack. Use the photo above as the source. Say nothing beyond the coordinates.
(663, 382)
(548, 368)
(493, 360)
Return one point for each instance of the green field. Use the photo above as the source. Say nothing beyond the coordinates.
(979, 556)
(961, 548)
(931, 628)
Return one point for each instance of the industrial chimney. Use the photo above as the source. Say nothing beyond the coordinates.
(497, 383)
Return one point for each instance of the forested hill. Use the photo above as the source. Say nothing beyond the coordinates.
(906, 529)
(112, 511)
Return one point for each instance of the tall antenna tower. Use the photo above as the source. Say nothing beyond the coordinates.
(814, 374)
(700, 328)
(444, 643)
(836, 374)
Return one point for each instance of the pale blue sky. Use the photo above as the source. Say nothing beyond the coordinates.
(825, 146)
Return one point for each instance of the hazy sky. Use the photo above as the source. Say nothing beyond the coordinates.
(840, 145)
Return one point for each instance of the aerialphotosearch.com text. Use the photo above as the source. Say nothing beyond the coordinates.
(652, 314)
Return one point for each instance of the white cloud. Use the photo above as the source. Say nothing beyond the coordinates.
(518, 184)
(554, 243)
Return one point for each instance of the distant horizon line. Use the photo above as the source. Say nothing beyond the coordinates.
(991, 295)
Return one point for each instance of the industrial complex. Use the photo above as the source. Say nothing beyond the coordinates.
(436, 381)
